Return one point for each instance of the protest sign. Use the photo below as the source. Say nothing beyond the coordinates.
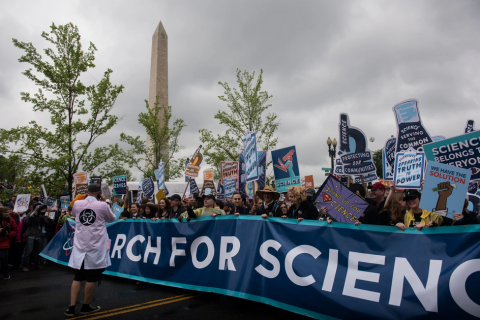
(221, 190)
(445, 189)
(43, 194)
(65, 202)
(409, 169)
(366, 178)
(21, 204)
(80, 178)
(230, 188)
(51, 203)
(354, 155)
(209, 188)
(473, 187)
(119, 185)
(469, 126)
(473, 203)
(285, 168)
(139, 192)
(97, 180)
(160, 175)
(410, 131)
(342, 204)
(166, 190)
(251, 157)
(461, 151)
(389, 151)
(148, 188)
(106, 190)
(81, 189)
(246, 188)
(229, 170)
(193, 168)
(160, 195)
(194, 187)
(387, 169)
(438, 138)
(117, 210)
(208, 174)
(309, 182)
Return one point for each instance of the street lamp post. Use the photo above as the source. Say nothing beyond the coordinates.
(332, 151)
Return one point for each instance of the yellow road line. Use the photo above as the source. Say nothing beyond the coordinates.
(114, 312)
(147, 304)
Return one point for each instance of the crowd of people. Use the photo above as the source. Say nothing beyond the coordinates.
(23, 235)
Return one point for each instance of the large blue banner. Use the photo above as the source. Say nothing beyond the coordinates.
(312, 268)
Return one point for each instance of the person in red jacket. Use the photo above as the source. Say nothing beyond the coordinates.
(8, 231)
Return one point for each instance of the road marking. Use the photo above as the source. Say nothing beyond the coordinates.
(135, 307)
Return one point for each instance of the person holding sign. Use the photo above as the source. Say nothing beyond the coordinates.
(207, 210)
(300, 209)
(417, 217)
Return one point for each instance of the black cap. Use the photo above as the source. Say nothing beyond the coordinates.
(412, 194)
(94, 187)
(176, 197)
(209, 196)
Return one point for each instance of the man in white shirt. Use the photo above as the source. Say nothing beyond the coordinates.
(90, 246)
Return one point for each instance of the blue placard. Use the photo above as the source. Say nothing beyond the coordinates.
(387, 169)
(251, 157)
(117, 210)
(311, 268)
(160, 176)
(461, 151)
(194, 187)
(230, 187)
(65, 201)
(148, 188)
(389, 150)
(445, 189)
(246, 188)
(285, 169)
(119, 185)
(409, 169)
(220, 191)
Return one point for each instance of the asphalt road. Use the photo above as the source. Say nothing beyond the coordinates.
(45, 294)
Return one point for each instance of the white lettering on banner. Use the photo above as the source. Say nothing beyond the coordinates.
(269, 258)
(331, 270)
(118, 247)
(300, 281)
(227, 256)
(130, 254)
(211, 252)
(157, 250)
(427, 295)
(175, 251)
(353, 274)
(458, 280)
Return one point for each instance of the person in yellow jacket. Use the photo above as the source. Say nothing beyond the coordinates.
(416, 216)
(207, 210)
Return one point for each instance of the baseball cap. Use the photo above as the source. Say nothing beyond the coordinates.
(176, 197)
(377, 185)
(310, 192)
(209, 196)
(412, 194)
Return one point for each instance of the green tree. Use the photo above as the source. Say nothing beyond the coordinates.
(247, 106)
(377, 160)
(11, 168)
(55, 153)
(164, 142)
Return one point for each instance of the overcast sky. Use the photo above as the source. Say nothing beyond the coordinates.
(320, 58)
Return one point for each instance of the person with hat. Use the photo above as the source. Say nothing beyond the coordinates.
(417, 217)
(90, 253)
(310, 194)
(377, 190)
(269, 207)
(207, 210)
(176, 209)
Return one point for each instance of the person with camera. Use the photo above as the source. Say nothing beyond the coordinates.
(35, 224)
(90, 246)
(8, 231)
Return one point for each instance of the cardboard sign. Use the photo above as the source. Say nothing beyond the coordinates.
(251, 157)
(230, 188)
(209, 188)
(120, 185)
(445, 189)
(106, 190)
(193, 168)
(246, 188)
(229, 170)
(117, 210)
(355, 157)
(148, 188)
(21, 204)
(80, 178)
(208, 174)
(64, 202)
(387, 169)
(51, 203)
(221, 190)
(461, 151)
(285, 168)
(160, 195)
(342, 204)
(469, 126)
(410, 131)
(81, 189)
(409, 169)
(309, 182)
